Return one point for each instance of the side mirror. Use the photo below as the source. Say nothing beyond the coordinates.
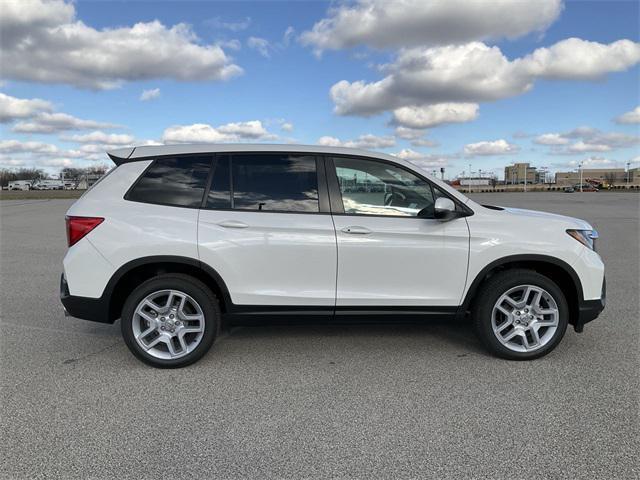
(445, 209)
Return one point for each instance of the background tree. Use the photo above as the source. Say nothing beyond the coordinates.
(610, 178)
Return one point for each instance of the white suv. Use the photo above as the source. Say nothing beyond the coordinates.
(177, 239)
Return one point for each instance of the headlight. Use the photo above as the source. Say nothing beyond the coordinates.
(585, 237)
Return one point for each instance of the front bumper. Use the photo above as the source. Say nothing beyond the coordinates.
(589, 310)
(85, 308)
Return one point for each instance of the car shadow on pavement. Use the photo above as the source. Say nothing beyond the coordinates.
(456, 334)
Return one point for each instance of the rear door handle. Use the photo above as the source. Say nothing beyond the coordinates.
(232, 224)
(356, 230)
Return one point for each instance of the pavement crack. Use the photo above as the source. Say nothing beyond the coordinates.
(70, 361)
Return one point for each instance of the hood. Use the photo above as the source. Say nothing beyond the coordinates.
(570, 222)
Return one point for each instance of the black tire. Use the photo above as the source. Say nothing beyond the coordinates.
(492, 290)
(192, 287)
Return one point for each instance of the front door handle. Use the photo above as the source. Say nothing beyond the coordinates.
(232, 224)
(356, 230)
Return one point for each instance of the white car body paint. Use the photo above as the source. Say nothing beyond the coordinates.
(300, 259)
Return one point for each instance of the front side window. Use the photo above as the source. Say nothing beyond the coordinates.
(175, 181)
(274, 182)
(370, 187)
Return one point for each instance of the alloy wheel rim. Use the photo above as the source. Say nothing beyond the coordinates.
(525, 318)
(168, 324)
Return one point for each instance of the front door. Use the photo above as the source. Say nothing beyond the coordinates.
(263, 232)
(391, 249)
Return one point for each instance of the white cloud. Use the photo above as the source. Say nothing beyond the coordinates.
(44, 42)
(433, 115)
(12, 108)
(551, 139)
(424, 142)
(577, 59)
(152, 94)
(7, 162)
(591, 162)
(367, 141)
(288, 35)
(237, 26)
(204, 133)
(402, 23)
(57, 122)
(475, 72)
(630, 117)
(233, 44)
(286, 127)
(496, 147)
(424, 161)
(57, 162)
(588, 147)
(101, 137)
(415, 135)
(409, 133)
(17, 146)
(408, 154)
(586, 139)
(261, 45)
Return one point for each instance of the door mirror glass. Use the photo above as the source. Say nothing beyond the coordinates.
(445, 209)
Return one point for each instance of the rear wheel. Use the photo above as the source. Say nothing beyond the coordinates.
(520, 314)
(170, 321)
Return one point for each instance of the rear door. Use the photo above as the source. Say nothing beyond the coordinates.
(266, 229)
(388, 255)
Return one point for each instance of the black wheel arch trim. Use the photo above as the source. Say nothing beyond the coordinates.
(159, 259)
(583, 312)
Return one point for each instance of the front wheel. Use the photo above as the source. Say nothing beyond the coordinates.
(170, 320)
(520, 314)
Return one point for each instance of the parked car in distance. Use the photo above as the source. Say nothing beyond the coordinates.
(586, 187)
(20, 185)
(568, 189)
(177, 239)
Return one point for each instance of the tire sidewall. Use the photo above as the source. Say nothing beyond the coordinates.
(494, 289)
(194, 289)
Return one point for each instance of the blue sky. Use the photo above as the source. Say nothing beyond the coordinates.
(546, 82)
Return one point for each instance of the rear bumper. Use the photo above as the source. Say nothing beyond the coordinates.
(589, 310)
(85, 308)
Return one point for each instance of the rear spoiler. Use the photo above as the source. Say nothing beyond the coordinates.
(121, 155)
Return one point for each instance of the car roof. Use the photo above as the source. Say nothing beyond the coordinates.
(123, 155)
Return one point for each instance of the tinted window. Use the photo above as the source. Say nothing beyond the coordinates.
(178, 181)
(275, 182)
(377, 188)
(220, 191)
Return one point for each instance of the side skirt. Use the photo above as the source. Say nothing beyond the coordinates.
(261, 314)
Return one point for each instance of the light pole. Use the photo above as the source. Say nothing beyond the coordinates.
(469, 178)
(628, 167)
(580, 170)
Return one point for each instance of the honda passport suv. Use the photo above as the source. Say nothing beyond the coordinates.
(177, 239)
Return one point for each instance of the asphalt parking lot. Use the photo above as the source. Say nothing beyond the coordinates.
(411, 401)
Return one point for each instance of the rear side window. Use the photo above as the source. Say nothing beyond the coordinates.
(175, 181)
(265, 182)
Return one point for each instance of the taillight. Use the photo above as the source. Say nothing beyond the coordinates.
(78, 227)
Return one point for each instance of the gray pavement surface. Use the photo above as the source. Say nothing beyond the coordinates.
(412, 401)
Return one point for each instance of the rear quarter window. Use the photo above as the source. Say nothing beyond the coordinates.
(174, 181)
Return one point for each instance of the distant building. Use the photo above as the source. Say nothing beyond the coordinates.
(479, 181)
(606, 176)
(515, 174)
